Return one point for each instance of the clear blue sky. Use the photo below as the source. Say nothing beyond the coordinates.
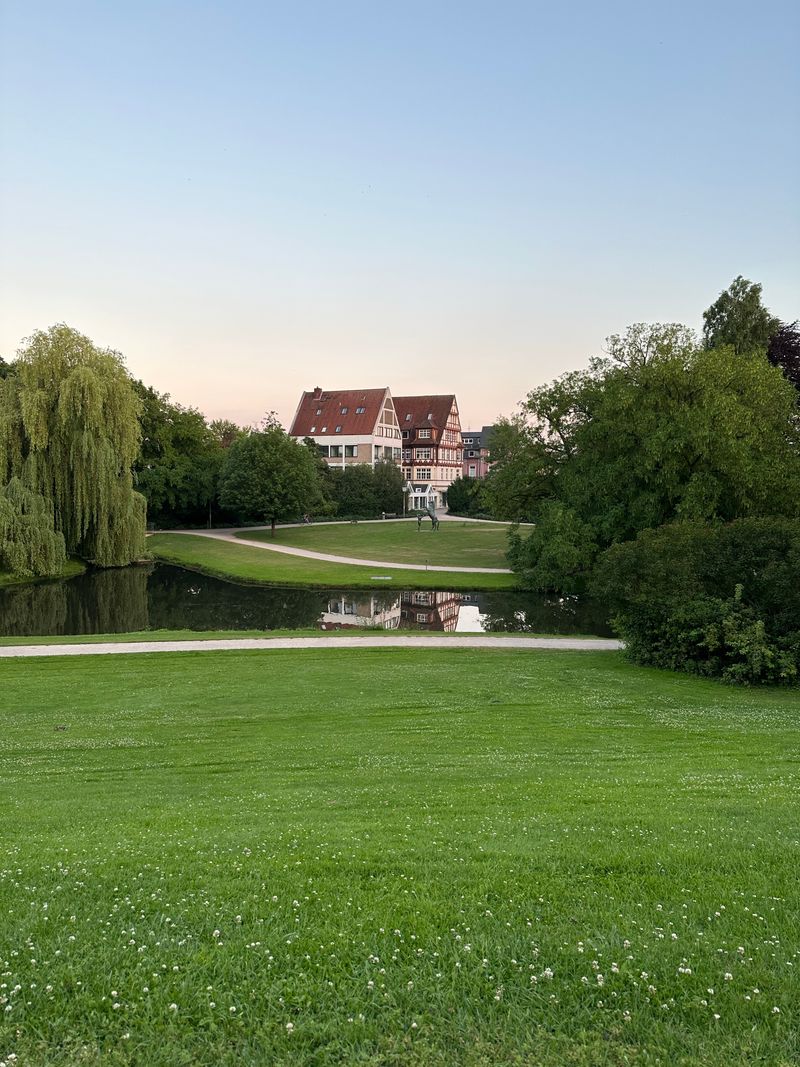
(250, 199)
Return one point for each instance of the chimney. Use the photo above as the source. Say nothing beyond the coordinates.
(317, 393)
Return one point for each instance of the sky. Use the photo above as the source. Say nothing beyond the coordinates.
(251, 199)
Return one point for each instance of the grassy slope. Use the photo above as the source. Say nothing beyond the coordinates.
(262, 635)
(273, 568)
(73, 568)
(385, 851)
(454, 544)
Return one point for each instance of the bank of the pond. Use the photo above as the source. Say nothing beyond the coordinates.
(245, 563)
(72, 568)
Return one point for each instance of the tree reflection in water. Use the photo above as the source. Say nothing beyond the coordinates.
(161, 597)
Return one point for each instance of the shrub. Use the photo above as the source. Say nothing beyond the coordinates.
(721, 601)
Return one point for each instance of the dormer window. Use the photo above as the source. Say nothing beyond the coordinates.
(338, 429)
(344, 411)
(313, 429)
(319, 411)
(324, 429)
(408, 418)
(359, 411)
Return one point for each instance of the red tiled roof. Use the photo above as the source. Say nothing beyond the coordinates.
(420, 408)
(330, 402)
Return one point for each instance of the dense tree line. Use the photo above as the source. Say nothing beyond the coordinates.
(666, 433)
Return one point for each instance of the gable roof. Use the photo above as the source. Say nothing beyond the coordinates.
(424, 410)
(329, 402)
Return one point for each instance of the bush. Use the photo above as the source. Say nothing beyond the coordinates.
(556, 554)
(720, 601)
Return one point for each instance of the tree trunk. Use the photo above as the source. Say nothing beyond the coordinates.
(273, 526)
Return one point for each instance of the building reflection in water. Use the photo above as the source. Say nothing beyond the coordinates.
(430, 611)
(350, 611)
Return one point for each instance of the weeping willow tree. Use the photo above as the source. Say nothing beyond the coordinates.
(30, 546)
(69, 434)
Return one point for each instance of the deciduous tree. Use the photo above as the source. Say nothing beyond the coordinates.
(69, 433)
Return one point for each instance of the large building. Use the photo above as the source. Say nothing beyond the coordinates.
(432, 454)
(349, 425)
(476, 444)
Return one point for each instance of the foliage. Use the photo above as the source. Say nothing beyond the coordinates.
(179, 463)
(467, 496)
(30, 546)
(354, 491)
(522, 471)
(225, 432)
(388, 480)
(69, 431)
(5, 368)
(556, 554)
(784, 351)
(663, 430)
(267, 475)
(720, 599)
(738, 319)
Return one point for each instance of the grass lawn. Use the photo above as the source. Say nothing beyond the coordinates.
(73, 568)
(245, 563)
(424, 857)
(454, 544)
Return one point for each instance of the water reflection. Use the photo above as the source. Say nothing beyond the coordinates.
(161, 597)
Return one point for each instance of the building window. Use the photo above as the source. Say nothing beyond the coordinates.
(407, 473)
(338, 429)
(421, 617)
(472, 470)
(423, 474)
(344, 411)
(323, 450)
(467, 440)
(313, 429)
(422, 453)
(336, 452)
(319, 411)
(359, 411)
(424, 433)
(324, 429)
(408, 418)
(471, 453)
(351, 451)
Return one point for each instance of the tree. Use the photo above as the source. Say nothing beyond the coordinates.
(561, 548)
(354, 491)
(5, 368)
(688, 433)
(268, 476)
(521, 473)
(180, 460)
(225, 432)
(784, 351)
(30, 546)
(69, 432)
(739, 319)
(388, 479)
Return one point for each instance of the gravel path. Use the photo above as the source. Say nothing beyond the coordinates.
(265, 644)
(226, 535)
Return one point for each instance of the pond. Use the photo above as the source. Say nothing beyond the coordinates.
(161, 597)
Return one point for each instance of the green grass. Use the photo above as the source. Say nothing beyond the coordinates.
(245, 563)
(73, 568)
(454, 544)
(264, 635)
(424, 857)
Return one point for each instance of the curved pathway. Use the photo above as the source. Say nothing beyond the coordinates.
(229, 535)
(266, 644)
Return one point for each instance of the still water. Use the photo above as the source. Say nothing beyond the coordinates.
(161, 597)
